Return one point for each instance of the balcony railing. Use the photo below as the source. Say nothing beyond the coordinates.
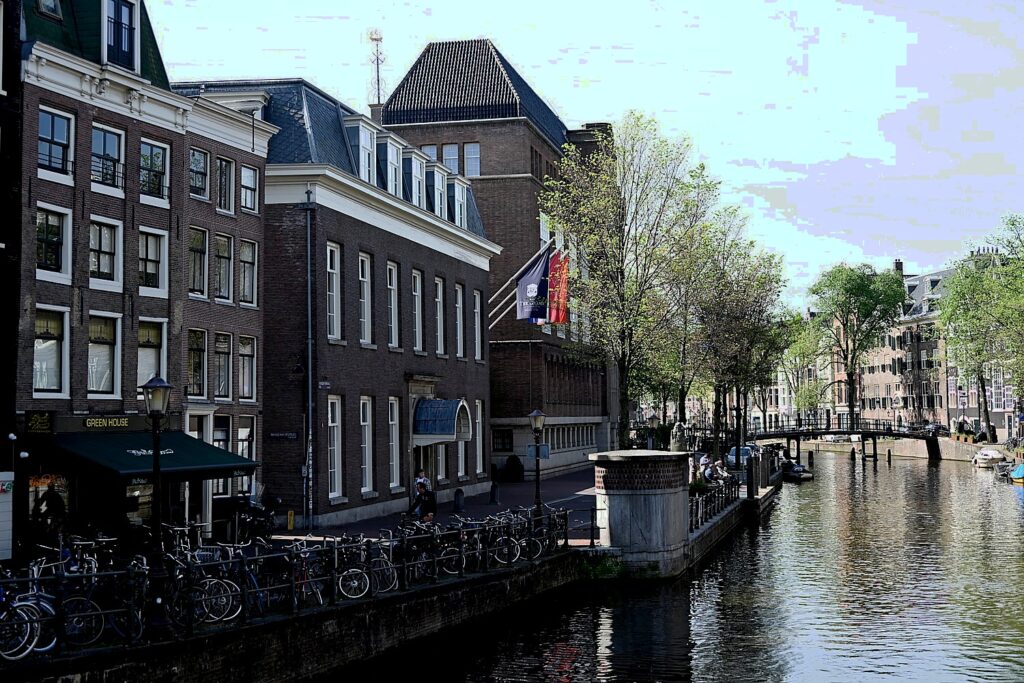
(107, 171)
(153, 183)
(57, 163)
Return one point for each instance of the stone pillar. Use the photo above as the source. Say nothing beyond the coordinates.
(643, 508)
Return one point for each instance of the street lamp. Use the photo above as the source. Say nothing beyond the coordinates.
(157, 393)
(537, 424)
(652, 424)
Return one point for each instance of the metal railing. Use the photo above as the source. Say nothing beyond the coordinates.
(706, 506)
(56, 163)
(107, 171)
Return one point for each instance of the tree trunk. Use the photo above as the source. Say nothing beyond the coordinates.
(986, 418)
(681, 398)
(716, 421)
(739, 429)
(851, 397)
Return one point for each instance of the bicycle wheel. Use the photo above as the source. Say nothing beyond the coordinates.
(353, 583)
(309, 595)
(217, 599)
(383, 573)
(47, 636)
(450, 561)
(16, 633)
(83, 621)
(530, 548)
(127, 622)
(506, 550)
(187, 606)
(235, 594)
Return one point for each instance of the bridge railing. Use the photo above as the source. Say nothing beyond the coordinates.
(821, 426)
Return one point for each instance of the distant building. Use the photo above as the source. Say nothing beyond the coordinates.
(465, 106)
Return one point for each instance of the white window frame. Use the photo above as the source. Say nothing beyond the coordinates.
(220, 190)
(255, 371)
(441, 456)
(367, 156)
(65, 355)
(365, 274)
(116, 384)
(162, 370)
(100, 188)
(417, 310)
(460, 205)
(445, 156)
(245, 481)
(392, 284)
(366, 443)
(418, 182)
(137, 37)
(478, 337)
(163, 202)
(439, 317)
(117, 284)
(468, 150)
(231, 366)
(255, 210)
(231, 265)
(335, 459)
(460, 342)
(45, 173)
(394, 441)
(478, 433)
(461, 448)
(62, 277)
(255, 303)
(206, 195)
(394, 169)
(205, 294)
(206, 363)
(334, 283)
(430, 151)
(161, 291)
(440, 194)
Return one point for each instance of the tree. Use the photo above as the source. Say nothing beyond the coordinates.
(621, 204)
(856, 305)
(1007, 302)
(799, 363)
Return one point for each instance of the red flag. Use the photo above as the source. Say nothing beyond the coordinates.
(558, 289)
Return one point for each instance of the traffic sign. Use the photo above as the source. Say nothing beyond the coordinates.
(545, 451)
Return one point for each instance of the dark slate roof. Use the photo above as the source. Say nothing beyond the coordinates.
(78, 32)
(920, 291)
(462, 80)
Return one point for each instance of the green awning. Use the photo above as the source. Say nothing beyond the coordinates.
(130, 454)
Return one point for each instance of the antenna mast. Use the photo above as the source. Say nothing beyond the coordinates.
(377, 58)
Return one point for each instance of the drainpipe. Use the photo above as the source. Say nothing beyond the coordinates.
(308, 469)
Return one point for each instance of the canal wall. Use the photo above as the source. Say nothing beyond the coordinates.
(948, 449)
(309, 645)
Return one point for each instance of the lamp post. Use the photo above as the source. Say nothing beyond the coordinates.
(537, 424)
(157, 393)
(652, 424)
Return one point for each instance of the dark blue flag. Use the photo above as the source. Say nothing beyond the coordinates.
(532, 290)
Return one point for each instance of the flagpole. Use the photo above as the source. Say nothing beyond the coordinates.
(522, 270)
(498, 319)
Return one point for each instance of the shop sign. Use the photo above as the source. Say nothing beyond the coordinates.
(38, 422)
(111, 423)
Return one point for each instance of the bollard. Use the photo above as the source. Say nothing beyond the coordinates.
(798, 455)
(751, 486)
(494, 494)
(459, 501)
(810, 458)
(853, 453)
(888, 456)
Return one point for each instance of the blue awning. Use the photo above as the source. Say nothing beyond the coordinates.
(440, 421)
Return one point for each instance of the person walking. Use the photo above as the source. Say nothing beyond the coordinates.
(422, 478)
(424, 505)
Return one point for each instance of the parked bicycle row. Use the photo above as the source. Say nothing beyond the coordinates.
(83, 594)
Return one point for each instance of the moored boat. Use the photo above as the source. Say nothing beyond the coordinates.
(1017, 474)
(987, 457)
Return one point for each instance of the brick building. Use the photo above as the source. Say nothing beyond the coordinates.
(394, 335)
(104, 265)
(463, 104)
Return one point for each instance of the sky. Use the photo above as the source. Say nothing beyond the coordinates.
(850, 131)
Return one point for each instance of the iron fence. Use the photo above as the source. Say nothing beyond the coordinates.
(707, 505)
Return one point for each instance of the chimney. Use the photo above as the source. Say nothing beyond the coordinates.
(375, 113)
(897, 265)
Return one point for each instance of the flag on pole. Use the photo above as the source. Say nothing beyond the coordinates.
(558, 289)
(532, 290)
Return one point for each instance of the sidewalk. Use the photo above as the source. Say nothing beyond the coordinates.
(573, 491)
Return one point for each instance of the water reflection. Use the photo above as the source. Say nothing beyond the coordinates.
(906, 572)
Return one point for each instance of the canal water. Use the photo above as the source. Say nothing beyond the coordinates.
(870, 572)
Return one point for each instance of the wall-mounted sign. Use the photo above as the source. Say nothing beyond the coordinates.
(545, 451)
(325, 386)
(284, 436)
(38, 422)
(112, 423)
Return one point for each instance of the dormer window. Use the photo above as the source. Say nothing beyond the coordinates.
(366, 166)
(394, 171)
(418, 181)
(457, 200)
(50, 7)
(438, 182)
(414, 177)
(121, 23)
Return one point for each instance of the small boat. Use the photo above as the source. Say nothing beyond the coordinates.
(1003, 469)
(1017, 474)
(987, 457)
(795, 473)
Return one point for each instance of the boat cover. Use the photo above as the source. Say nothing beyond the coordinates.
(1018, 472)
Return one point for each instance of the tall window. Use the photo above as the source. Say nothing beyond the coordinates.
(392, 304)
(478, 432)
(151, 336)
(199, 173)
(417, 310)
(333, 291)
(151, 251)
(440, 196)
(247, 368)
(54, 141)
(451, 157)
(246, 447)
(472, 152)
(102, 251)
(439, 314)
(225, 185)
(460, 343)
(197, 363)
(478, 337)
(107, 168)
(48, 354)
(394, 458)
(365, 301)
(441, 452)
(462, 458)
(222, 365)
(222, 267)
(417, 182)
(102, 354)
(250, 188)
(334, 445)
(50, 241)
(222, 440)
(366, 441)
(247, 271)
(460, 205)
(367, 167)
(394, 171)
(121, 33)
(153, 169)
(430, 151)
(197, 261)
